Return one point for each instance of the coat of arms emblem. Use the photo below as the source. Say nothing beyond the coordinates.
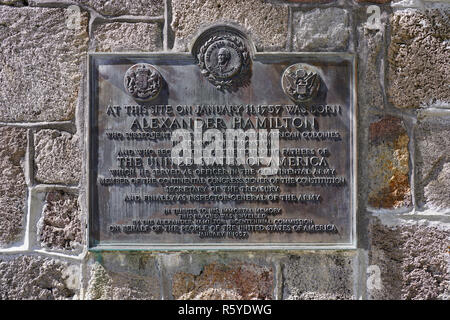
(300, 82)
(142, 81)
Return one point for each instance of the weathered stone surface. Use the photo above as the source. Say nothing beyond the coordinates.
(436, 192)
(316, 275)
(41, 59)
(119, 276)
(321, 30)
(388, 170)
(409, 4)
(413, 260)
(60, 225)
(57, 157)
(13, 189)
(125, 7)
(315, 296)
(419, 62)
(311, 1)
(235, 281)
(123, 36)
(35, 278)
(370, 50)
(374, 1)
(433, 163)
(418, 4)
(17, 3)
(267, 23)
(214, 294)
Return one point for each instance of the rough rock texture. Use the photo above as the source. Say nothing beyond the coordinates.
(310, 1)
(123, 36)
(374, 1)
(236, 281)
(413, 259)
(118, 276)
(125, 7)
(40, 64)
(320, 30)
(17, 3)
(60, 225)
(370, 50)
(317, 275)
(410, 3)
(419, 63)
(437, 191)
(433, 163)
(315, 296)
(213, 294)
(34, 278)
(13, 189)
(267, 23)
(388, 171)
(57, 157)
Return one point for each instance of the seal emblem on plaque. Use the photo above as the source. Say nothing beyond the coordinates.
(142, 81)
(301, 82)
(225, 61)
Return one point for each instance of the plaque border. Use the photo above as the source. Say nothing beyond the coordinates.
(317, 56)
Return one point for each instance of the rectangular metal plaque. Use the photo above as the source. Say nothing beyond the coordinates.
(301, 196)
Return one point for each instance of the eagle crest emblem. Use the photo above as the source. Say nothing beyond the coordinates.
(301, 82)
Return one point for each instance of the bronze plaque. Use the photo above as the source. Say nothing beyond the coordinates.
(222, 151)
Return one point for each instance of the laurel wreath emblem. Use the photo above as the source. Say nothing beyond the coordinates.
(242, 78)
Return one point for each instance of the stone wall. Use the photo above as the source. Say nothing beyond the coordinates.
(403, 221)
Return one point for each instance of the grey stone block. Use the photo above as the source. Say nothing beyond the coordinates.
(419, 62)
(232, 281)
(60, 225)
(370, 53)
(57, 157)
(318, 276)
(123, 276)
(433, 163)
(30, 277)
(123, 36)
(321, 30)
(413, 260)
(13, 189)
(41, 64)
(220, 275)
(123, 7)
(266, 22)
